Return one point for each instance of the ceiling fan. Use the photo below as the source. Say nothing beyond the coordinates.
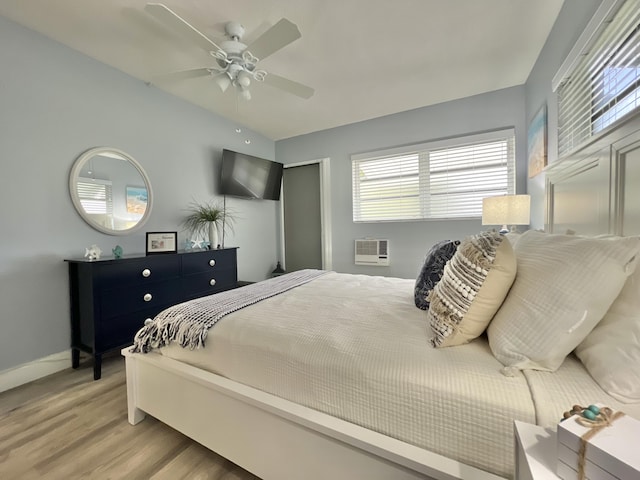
(236, 63)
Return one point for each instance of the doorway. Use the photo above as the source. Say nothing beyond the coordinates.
(306, 216)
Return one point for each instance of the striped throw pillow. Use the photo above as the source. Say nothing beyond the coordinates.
(475, 283)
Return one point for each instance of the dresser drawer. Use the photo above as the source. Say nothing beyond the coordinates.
(210, 260)
(136, 272)
(207, 283)
(119, 331)
(120, 301)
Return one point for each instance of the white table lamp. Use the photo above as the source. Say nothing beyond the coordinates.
(506, 210)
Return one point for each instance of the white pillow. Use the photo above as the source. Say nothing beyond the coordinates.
(611, 352)
(513, 237)
(564, 286)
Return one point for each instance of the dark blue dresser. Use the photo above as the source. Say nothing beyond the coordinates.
(110, 299)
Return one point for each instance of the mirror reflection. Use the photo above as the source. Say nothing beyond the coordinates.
(110, 190)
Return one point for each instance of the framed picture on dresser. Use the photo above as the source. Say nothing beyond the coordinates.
(162, 242)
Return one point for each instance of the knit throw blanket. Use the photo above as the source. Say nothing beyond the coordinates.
(188, 323)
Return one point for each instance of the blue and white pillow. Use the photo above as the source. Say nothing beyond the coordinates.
(432, 270)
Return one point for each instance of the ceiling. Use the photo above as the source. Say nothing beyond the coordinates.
(364, 58)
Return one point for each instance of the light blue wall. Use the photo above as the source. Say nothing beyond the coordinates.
(56, 103)
(409, 241)
(573, 17)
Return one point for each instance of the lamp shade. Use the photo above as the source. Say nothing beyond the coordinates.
(506, 210)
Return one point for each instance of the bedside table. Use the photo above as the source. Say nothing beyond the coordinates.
(535, 450)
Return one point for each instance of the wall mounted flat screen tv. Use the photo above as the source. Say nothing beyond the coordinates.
(247, 176)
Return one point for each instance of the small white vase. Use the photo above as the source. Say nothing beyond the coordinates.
(213, 235)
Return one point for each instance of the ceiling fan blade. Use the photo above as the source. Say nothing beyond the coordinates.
(172, 20)
(280, 35)
(187, 74)
(289, 86)
(248, 38)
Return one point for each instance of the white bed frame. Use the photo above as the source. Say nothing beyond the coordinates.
(276, 439)
(273, 438)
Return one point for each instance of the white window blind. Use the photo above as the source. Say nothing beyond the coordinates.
(95, 196)
(604, 87)
(437, 180)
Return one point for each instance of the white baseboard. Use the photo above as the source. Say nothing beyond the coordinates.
(28, 372)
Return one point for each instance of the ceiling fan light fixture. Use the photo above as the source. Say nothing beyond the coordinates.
(245, 94)
(223, 81)
(244, 79)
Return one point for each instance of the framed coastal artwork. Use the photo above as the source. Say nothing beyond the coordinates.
(162, 242)
(137, 199)
(537, 142)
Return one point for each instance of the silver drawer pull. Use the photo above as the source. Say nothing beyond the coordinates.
(212, 262)
(212, 282)
(147, 297)
(146, 272)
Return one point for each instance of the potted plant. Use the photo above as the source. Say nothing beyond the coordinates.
(204, 219)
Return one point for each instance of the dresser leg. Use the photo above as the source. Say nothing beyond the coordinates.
(97, 366)
(75, 357)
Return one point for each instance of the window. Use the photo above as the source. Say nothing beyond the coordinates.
(617, 90)
(604, 86)
(95, 196)
(436, 180)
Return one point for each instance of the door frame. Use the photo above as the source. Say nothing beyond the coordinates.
(325, 211)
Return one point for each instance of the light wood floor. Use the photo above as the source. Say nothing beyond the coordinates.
(67, 426)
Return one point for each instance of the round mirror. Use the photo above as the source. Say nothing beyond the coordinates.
(110, 190)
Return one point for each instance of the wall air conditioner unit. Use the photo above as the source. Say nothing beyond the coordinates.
(372, 252)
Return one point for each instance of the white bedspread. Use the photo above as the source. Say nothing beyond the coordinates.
(356, 347)
(555, 393)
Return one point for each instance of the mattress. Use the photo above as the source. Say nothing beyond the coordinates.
(357, 348)
(556, 392)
